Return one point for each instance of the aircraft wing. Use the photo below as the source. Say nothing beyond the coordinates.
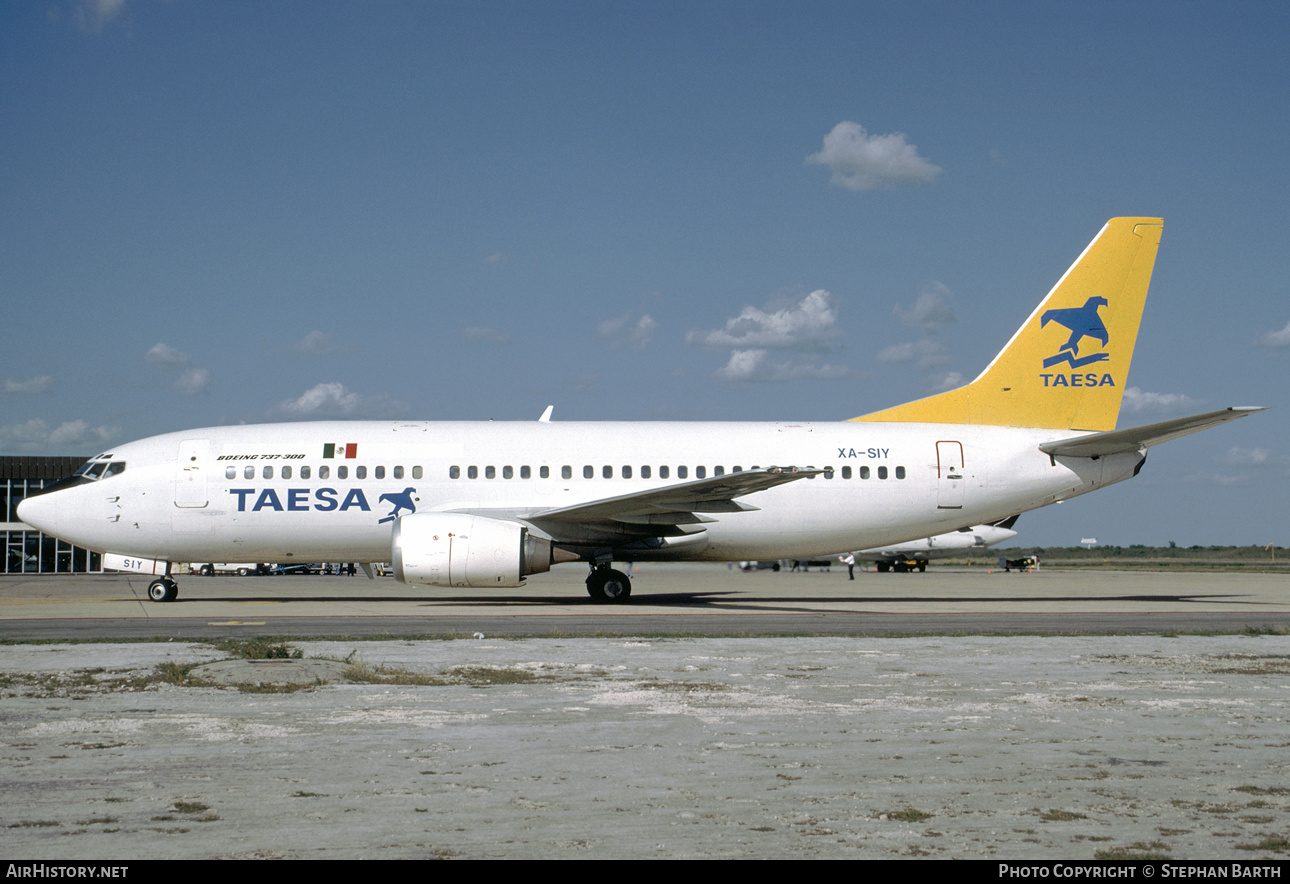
(662, 511)
(1136, 438)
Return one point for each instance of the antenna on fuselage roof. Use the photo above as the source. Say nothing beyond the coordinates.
(546, 415)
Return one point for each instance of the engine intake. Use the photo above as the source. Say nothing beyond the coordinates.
(457, 549)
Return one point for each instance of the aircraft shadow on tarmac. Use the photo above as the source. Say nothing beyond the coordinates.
(726, 600)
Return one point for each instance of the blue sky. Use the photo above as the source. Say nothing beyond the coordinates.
(228, 212)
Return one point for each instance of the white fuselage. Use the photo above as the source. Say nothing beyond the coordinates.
(221, 493)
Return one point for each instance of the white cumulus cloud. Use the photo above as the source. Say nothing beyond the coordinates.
(757, 366)
(92, 15)
(72, 437)
(931, 312)
(317, 343)
(860, 161)
(1241, 456)
(1138, 401)
(1278, 338)
(335, 400)
(925, 353)
(40, 384)
(478, 333)
(167, 356)
(810, 325)
(628, 333)
(190, 379)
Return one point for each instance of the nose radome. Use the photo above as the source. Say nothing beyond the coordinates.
(39, 512)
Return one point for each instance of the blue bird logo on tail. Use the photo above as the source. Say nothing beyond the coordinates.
(1083, 322)
(403, 500)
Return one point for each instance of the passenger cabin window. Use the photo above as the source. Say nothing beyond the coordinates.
(508, 472)
(286, 472)
(682, 472)
(566, 472)
(588, 472)
(380, 472)
(700, 472)
(342, 472)
(324, 472)
(864, 472)
(359, 472)
(472, 472)
(230, 472)
(304, 472)
(416, 472)
(846, 472)
(268, 472)
(490, 472)
(645, 472)
(454, 472)
(398, 472)
(664, 472)
(900, 472)
(882, 472)
(249, 473)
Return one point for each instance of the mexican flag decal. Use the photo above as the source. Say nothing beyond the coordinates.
(348, 449)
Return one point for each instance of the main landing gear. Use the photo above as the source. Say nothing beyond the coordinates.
(163, 589)
(607, 586)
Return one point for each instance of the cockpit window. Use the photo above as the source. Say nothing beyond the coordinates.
(100, 469)
(91, 471)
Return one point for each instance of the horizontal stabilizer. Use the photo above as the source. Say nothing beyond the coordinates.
(1136, 438)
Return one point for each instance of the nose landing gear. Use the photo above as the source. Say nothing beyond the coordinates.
(163, 589)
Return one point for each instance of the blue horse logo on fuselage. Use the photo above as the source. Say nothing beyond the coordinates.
(402, 500)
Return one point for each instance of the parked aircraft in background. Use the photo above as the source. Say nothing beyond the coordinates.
(487, 504)
(915, 554)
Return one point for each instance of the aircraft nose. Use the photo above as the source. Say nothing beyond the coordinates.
(39, 512)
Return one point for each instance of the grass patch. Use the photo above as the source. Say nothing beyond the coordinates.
(909, 815)
(189, 807)
(1270, 844)
(258, 649)
(1262, 790)
(455, 676)
(1061, 816)
(1137, 851)
(80, 684)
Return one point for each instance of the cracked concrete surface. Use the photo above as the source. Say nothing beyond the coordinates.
(1019, 747)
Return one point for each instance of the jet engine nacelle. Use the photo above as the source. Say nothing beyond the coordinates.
(456, 549)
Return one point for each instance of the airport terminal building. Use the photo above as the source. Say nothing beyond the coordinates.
(26, 550)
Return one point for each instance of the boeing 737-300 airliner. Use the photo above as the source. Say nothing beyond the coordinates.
(487, 504)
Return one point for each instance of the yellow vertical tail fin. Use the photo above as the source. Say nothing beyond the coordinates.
(1066, 366)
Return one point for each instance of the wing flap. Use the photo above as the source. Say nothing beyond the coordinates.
(1137, 438)
(662, 511)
